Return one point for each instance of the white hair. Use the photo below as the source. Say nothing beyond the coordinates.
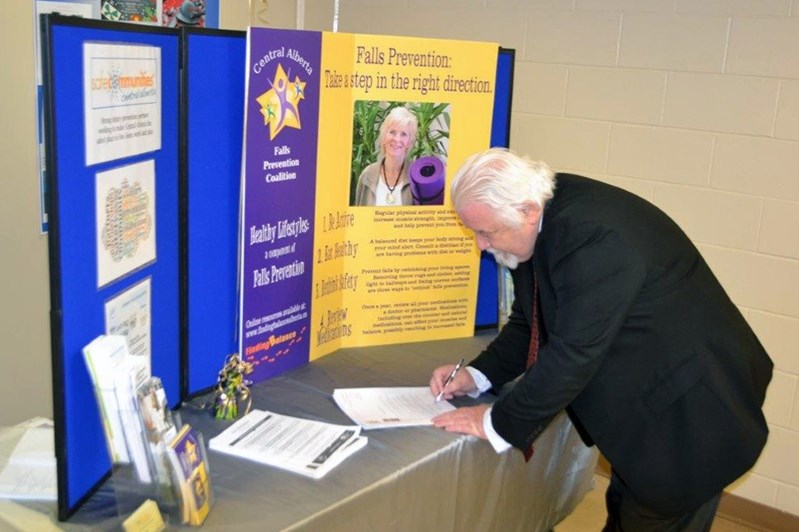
(504, 182)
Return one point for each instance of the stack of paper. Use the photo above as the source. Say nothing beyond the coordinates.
(31, 469)
(378, 408)
(117, 375)
(310, 448)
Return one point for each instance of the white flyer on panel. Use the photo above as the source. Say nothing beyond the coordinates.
(125, 212)
(128, 314)
(122, 100)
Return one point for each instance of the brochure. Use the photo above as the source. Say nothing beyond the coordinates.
(116, 374)
(192, 480)
(310, 448)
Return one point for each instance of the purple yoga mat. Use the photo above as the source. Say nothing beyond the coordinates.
(427, 181)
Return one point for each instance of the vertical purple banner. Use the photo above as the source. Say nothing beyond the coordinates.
(282, 106)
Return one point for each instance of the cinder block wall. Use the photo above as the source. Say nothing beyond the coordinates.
(692, 104)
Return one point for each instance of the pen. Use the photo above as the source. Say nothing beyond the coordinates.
(450, 378)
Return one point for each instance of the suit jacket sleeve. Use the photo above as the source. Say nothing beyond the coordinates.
(589, 278)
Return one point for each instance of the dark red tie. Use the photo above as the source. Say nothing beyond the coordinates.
(532, 352)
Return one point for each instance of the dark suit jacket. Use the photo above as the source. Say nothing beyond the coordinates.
(645, 350)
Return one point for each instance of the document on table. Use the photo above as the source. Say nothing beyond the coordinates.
(378, 408)
(310, 448)
(31, 469)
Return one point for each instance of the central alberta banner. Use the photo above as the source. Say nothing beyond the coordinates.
(321, 267)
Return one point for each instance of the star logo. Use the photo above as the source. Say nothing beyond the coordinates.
(280, 104)
(191, 453)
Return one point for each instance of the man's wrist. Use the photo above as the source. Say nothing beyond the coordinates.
(481, 382)
(497, 442)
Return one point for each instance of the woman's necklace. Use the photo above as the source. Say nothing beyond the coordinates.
(390, 195)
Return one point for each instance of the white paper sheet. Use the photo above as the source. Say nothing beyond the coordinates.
(378, 408)
(122, 100)
(310, 448)
(35, 448)
(129, 313)
(125, 219)
(31, 469)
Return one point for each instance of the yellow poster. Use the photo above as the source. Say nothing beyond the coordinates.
(397, 118)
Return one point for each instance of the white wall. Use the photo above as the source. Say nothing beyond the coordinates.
(692, 104)
(25, 378)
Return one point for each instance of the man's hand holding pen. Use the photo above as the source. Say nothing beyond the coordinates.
(451, 381)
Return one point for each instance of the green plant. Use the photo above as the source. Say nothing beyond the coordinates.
(431, 137)
(433, 129)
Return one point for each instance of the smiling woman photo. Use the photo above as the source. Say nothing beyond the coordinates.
(386, 182)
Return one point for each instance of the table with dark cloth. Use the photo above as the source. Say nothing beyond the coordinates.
(412, 478)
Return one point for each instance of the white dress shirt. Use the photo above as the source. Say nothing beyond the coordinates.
(483, 384)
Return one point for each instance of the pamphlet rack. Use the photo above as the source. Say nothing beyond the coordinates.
(183, 497)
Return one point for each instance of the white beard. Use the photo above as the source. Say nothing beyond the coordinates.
(506, 259)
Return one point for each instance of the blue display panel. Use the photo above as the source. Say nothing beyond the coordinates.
(487, 314)
(214, 74)
(77, 304)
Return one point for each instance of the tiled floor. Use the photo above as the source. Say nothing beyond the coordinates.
(589, 516)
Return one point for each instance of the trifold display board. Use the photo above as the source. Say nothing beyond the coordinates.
(112, 113)
(344, 245)
(214, 128)
(144, 153)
